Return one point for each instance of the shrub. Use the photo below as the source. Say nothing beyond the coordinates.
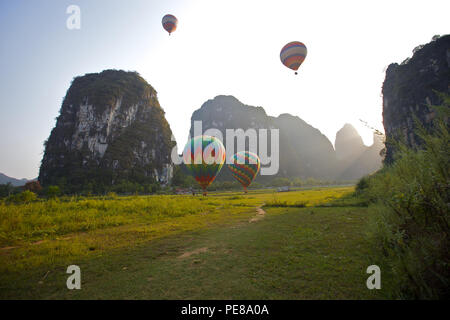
(33, 186)
(362, 185)
(6, 189)
(285, 204)
(53, 191)
(281, 182)
(23, 197)
(410, 226)
(111, 196)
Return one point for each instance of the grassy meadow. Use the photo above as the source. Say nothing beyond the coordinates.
(303, 244)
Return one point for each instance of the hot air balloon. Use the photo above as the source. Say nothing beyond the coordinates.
(204, 156)
(169, 23)
(293, 54)
(244, 167)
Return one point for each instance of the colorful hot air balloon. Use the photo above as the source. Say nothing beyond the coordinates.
(169, 23)
(204, 156)
(293, 54)
(244, 167)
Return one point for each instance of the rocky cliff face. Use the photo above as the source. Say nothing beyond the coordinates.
(354, 158)
(303, 150)
(111, 128)
(313, 154)
(409, 89)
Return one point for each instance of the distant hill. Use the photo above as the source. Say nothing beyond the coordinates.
(354, 159)
(4, 179)
(304, 151)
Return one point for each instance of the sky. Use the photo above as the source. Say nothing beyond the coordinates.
(219, 48)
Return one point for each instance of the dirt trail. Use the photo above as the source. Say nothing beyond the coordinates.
(260, 213)
(36, 243)
(190, 253)
(15, 247)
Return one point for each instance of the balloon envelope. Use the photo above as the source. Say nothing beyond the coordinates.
(244, 167)
(293, 54)
(169, 23)
(204, 156)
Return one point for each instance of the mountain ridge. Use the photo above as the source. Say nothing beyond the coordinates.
(4, 179)
(304, 150)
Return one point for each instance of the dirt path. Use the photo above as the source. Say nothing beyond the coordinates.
(190, 253)
(260, 213)
(33, 243)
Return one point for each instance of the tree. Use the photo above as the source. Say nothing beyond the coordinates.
(53, 191)
(6, 189)
(33, 186)
(281, 182)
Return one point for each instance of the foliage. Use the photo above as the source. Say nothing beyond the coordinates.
(60, 216)
(47, 219)
(52, 191)
(23, 197)
(362, 185)
(281, 182)
(292, 253)
(106, 87)
(6, 189)
(33, 186)
(410, 207)
(285, 204)
(181, 178)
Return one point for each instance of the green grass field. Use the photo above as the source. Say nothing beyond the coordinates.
(304, 244)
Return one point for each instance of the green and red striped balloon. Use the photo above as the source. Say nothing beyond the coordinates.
(244, 167)
(204, 156)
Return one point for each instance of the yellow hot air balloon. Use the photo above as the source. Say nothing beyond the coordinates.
(293, 54)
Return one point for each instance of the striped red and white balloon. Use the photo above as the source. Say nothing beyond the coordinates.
(293, 54)
(169, 23)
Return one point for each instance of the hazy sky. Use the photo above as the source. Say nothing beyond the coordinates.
(220, 47)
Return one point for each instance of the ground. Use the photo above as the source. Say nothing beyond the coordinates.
(228, 246)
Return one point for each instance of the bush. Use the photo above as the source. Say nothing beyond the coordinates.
(33, 186)
(23, 197)
(284, 204)
(281, 182)
(53, 191)
(362, 185)
(410, 226)
(111, 196)
(6, 189)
